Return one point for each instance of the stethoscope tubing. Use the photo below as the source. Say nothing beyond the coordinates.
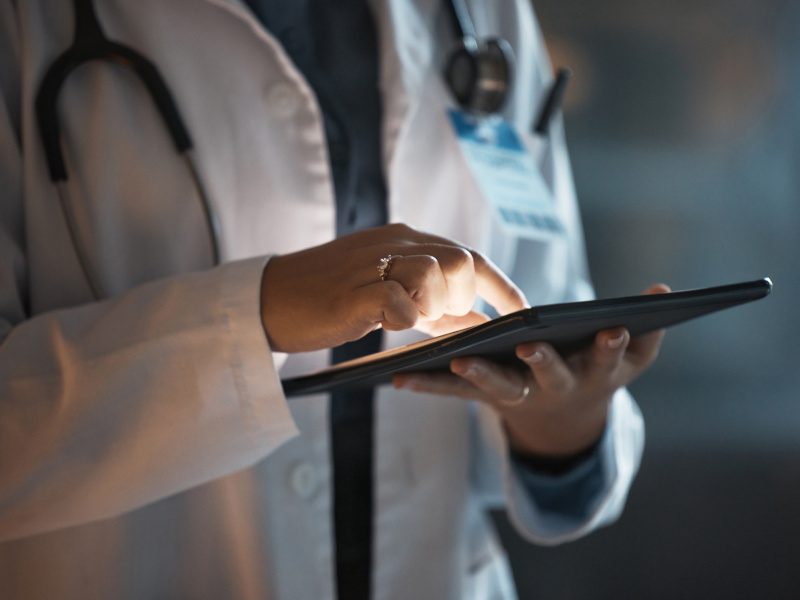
(91, 44)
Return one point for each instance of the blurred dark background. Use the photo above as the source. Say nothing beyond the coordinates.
(683, 120)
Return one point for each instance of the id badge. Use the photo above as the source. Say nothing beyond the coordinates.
(507, 176)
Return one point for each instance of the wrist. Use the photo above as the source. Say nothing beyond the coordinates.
(557, 438)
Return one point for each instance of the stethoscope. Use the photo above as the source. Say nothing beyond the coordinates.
(478, 73)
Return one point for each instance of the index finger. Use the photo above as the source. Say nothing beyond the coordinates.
(495, 287)
(492, 284)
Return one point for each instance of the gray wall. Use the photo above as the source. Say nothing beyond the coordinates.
(684, 130)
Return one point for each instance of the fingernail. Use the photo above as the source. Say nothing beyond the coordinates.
(465, 370)
(532, 356)
(616, 342)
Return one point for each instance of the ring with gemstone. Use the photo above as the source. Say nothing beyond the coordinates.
(385, 265)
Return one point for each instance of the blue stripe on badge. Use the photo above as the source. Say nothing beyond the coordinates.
(473, 129)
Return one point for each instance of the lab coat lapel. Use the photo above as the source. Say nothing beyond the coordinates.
(407, 51)
(406, 57)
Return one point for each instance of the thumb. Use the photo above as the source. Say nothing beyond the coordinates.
(450, 323)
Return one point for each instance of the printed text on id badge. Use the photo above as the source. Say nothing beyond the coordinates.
(507, 175)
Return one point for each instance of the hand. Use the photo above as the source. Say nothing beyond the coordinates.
(551, 406)
(331, 294)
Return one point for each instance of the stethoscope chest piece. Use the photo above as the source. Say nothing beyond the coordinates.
(478, 74)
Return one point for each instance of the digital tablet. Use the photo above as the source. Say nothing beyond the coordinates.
(568, 327)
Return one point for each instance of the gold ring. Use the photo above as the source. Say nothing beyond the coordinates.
(384, 265)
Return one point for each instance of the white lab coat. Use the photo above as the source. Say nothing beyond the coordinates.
(146, 449)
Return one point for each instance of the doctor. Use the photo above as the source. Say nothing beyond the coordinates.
(146, 447)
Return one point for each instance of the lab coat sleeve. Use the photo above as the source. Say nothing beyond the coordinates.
(568, 491)
(108, 406)
(619, 454)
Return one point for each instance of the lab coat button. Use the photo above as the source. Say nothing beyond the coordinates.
(303, 480)
(282, 100)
